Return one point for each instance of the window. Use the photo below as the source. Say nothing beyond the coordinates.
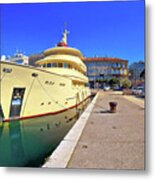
(69, 66)
(114, 64)
(114, 72)
(54, 64)
(123, 65)
(59, 64)
(66, 65)
(119, 65)
(49, 65)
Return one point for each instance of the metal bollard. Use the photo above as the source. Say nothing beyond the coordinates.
(113, 106)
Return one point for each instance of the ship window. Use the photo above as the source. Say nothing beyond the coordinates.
(49, 65)
(54, 64)
(59, 64)
(16, 102)
(62, 84)
(66, 65)
(69, 66)
(7, 70)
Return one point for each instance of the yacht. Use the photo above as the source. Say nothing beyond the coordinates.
(39, 104)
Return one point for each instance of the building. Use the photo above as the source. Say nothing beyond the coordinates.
(35, 57)
(101, 68)
(18, 58)
(98, 68)
(142, 75)
(135, 71)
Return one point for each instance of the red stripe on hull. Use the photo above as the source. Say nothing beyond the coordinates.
(47, 114)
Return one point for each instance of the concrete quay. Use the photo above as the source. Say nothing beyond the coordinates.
(106, 140)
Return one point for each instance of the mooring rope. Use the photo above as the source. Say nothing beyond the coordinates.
(2, 77)
(55, 101)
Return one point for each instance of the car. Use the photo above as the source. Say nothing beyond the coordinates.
(134, 89)
(138, 90)
(143, 93)
(117, 87)
(106, 88)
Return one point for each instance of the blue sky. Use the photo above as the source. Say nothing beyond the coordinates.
(114, 29)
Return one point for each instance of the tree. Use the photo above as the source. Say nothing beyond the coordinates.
(125, 83)
(114, 81)
(106, 80)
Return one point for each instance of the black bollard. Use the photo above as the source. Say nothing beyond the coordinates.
(113, 106)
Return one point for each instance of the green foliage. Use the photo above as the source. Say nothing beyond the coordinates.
(107, 80)
(99, 80)
(114, 81)
(125, 83)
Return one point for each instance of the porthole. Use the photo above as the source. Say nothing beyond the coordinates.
(34, 74)
(62, 84)
(51, 83)
(7, 70)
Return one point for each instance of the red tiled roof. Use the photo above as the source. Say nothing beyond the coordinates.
(104, 59)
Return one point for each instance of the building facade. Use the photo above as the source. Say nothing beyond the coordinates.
(35, 57)
(101, 68)
(136, 69)
(98, 68)
(18, 58)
